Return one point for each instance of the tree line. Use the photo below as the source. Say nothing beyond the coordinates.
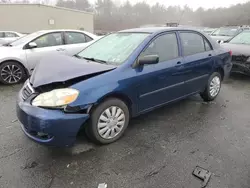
(110, 16)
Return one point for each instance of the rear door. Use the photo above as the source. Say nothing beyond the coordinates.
(76, 42)
(47, 44)
(198, 59)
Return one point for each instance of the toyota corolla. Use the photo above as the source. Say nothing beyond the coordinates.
(118, 77)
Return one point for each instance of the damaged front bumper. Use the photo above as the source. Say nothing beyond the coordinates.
(49, 127)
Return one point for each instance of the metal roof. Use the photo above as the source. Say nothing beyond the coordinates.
(156, 29)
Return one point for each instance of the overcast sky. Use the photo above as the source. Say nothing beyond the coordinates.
(191, 3)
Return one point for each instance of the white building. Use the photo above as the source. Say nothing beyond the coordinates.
(27, 18)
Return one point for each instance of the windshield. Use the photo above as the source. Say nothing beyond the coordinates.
(25, 39)
(225, 32)
(114, 48)
(242, 38)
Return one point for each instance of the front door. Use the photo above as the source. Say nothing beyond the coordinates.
(163, 82)
(47, 45)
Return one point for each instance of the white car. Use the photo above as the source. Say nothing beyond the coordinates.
(19, 58)
(9, 36)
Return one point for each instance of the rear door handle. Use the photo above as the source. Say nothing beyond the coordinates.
(209, 55)
(178, 65)
(60, 49)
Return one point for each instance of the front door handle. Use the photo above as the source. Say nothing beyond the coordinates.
(209, 55)
(178, 63)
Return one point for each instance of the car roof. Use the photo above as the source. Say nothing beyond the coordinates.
(157, 29)
(72, 30)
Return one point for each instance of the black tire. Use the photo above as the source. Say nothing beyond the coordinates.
(92, 127)
(20, 73)
(206, 94)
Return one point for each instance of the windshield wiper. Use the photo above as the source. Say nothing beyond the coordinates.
(77, 56)
(95, 60)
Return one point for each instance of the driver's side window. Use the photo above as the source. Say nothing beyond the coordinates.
(165, 46)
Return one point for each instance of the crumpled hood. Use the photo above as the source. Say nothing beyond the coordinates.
(221, 38)
(60, 68)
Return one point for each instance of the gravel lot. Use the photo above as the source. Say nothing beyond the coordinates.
(159, 150)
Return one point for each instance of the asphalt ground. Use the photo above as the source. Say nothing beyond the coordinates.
(159, 149)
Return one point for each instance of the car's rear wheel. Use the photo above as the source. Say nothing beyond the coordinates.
(212, 88)
(108, 121)
(11, 73)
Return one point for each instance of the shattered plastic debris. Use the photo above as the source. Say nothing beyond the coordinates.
(203, 175)
(102, 185)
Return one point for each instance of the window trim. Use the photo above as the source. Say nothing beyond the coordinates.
(26, 46)
(195, 32)
(135, 64)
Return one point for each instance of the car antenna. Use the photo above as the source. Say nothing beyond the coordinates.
(181, 16)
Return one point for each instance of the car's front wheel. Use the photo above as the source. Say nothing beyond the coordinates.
(11, 73)
(212, 88)
(108, 121)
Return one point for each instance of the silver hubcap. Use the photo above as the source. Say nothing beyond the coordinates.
(111, 122)
(11, 74)
(214, 86)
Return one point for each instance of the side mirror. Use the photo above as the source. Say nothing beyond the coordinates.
(148, 59)
(32, 45)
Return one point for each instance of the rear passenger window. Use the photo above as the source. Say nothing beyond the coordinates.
(192, 43)
(1, 34)
(207, 45)
(88, 39)
(74, 38)
(165, 46)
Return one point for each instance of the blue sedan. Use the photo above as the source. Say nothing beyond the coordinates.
(118, 77)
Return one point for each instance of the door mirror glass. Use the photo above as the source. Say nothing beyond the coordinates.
(148, 59)
(32, 45)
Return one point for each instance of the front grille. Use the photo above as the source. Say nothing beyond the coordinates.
(27, 91)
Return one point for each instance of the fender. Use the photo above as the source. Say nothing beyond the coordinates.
(94, 96)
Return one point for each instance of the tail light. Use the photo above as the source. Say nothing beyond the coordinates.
(230, 52)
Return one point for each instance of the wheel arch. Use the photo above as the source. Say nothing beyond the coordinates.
(121, 97)
(221, 71)
(19, 62)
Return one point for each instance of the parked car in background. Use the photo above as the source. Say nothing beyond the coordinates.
(227, 32)
(240, 47)
(19, 58)
(118, 77)
(9, 36)
(209, 30)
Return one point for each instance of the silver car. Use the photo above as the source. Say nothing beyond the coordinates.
(19, 58)
(9, 36)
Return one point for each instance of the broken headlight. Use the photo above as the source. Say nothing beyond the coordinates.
(57, 98)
